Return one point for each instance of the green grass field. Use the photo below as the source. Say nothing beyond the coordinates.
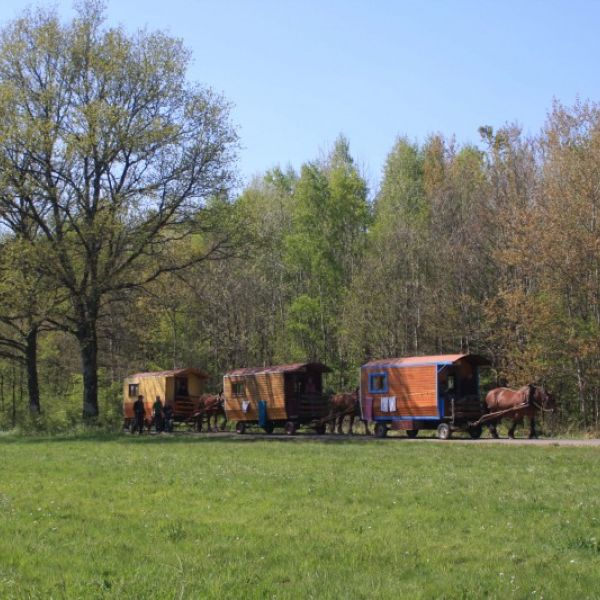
(192, 517)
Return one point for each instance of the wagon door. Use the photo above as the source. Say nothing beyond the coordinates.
(292, 387)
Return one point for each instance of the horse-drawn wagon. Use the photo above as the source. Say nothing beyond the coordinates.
(423, 392)
(278, 396)
(180, 388)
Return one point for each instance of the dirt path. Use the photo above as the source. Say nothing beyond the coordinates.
(329, 438)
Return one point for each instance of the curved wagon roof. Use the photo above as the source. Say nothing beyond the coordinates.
(291, 368)
(435, 359)
(172, 373)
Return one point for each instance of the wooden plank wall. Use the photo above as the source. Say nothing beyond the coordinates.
(264, 386)
(414, 390)
(149, 387)
(195, 385)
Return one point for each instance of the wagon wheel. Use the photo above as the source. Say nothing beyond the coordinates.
(412, 433)
(475, 431)
(320, 428)
(269, 427)
(240, 427)
(290, 428)
(381, 430)
(444, 432)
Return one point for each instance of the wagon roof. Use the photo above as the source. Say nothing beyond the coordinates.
(172, 373)
(436, 359)
(291, 368)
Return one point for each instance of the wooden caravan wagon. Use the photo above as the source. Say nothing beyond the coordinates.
(280, 396)
(423, 392)
(181, 388)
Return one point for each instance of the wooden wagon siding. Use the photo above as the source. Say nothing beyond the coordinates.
(283, 390)
(161, 384)
(416, 389)
(269, 387)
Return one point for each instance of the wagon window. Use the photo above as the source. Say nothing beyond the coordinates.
(237, 388)
(134, 389)
(378, 383)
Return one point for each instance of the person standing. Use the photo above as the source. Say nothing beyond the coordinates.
(139, 412)
(168, 413)
(157, 413)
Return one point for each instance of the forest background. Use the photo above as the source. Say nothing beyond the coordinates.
(491, 248)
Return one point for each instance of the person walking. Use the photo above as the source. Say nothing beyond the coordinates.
(139, 412)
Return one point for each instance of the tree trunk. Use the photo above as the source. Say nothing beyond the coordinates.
(88, 346)
(33, 388)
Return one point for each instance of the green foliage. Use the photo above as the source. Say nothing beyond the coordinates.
(135, 161)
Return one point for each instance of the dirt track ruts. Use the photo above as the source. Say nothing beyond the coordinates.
(391, 439)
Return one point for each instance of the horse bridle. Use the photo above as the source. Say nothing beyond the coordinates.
(539, 406)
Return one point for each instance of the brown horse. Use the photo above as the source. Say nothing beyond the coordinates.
(525, 401)
(345, 404)
(210, 406)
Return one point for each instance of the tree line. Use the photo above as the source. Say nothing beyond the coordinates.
(126, 244)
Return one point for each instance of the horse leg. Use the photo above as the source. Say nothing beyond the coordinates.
(350, 432)
(511, 431)
(331, 423)
(212, 422)
(532, 433)
(224, 422)
(367, 430)
(493, 430)
(340, 421)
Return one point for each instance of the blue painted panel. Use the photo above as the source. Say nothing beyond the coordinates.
(262, 413)
(395, 366)
(406, 418)
(385, 386)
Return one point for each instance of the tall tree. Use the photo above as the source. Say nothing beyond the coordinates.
(115, 154)
(330, 219)
(24, 301)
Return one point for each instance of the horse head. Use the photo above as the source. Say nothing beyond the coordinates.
(542, 399)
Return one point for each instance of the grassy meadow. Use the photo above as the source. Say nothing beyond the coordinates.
(195, 517)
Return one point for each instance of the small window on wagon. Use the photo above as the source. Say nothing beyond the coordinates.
(237, 388)
(378, 383)
(134, 388)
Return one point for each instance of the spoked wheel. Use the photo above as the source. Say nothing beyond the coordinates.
(290, 428)
(475, 431)
(269, 427)
(444, 432)
(240, 427)
(412, 433)
(381, 430)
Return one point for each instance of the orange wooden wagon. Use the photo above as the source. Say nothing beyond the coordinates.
(277, 396)
(180, 388)
(423, 392)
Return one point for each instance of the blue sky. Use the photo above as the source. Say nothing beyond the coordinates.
(300, 73)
